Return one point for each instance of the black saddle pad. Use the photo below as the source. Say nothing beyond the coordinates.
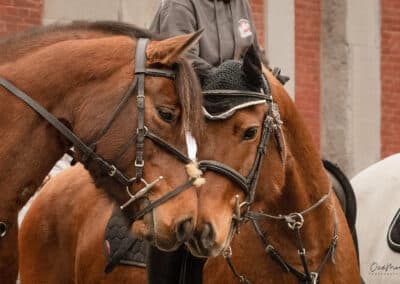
(123, 247)
(393, 235)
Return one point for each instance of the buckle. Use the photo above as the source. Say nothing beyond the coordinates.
(314, 277)
(145, 129)
(112, 171)
(139, 164)
(294, 220)
(301, 251)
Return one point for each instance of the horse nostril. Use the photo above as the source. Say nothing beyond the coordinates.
(184, 230)
(207, 237)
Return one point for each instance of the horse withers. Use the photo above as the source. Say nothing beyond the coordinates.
(85, 80)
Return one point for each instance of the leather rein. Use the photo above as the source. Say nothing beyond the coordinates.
(89, 151)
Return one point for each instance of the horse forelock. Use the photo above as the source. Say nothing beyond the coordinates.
(189, 93)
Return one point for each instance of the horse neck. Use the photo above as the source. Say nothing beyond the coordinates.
(303, 183)
(55, 76)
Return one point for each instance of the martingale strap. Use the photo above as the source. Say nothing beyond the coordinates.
(295, 222)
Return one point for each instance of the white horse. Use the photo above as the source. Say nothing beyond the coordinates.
(377, 189)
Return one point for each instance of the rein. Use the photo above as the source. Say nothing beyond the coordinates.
(142, 132)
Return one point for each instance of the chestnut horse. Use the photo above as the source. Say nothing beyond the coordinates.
(85, 74)
(292, 228)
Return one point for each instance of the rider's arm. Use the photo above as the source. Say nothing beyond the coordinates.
(174, 19)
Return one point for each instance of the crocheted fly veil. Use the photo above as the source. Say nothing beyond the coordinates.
(234, 85)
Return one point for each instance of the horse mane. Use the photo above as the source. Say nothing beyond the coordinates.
(18, 44)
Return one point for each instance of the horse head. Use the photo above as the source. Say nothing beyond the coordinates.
(171, 108)
(129, 103)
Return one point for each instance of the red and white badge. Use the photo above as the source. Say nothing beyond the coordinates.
(244, 28)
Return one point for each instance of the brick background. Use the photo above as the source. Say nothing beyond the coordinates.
(17, 15)
(257, 8)
(390, 76)
(307, 63)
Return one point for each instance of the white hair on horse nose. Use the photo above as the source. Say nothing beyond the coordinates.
(191, 145)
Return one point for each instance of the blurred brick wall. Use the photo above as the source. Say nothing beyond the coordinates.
(257, 7)
(17, 15)
(307, 63)
(390, 76)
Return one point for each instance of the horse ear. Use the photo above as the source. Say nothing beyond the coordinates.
(252, 68)
(167, 52)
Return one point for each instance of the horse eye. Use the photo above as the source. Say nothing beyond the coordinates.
(250, 133)
(166, 114)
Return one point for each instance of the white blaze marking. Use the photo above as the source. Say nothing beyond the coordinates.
(191, 145)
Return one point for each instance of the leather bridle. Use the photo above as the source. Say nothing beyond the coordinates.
(88, 152)
(271, 126)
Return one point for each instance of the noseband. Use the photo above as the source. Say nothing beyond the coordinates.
(142, 132)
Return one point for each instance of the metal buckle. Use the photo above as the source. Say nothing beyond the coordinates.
(139, 164)
(146, 130)
(294, 220)
(237, 216)
(301, 251)
(314, 277)
(269, 248)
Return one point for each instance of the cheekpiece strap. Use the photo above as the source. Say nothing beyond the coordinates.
(140, 71)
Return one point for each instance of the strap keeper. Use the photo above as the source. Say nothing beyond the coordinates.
(301, 251)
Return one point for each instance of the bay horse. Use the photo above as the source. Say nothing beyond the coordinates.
(292, 228)
(377, 190)
(85, 75)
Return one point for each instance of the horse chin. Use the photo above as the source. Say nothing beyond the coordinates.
(143, 231)
(166, 245)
